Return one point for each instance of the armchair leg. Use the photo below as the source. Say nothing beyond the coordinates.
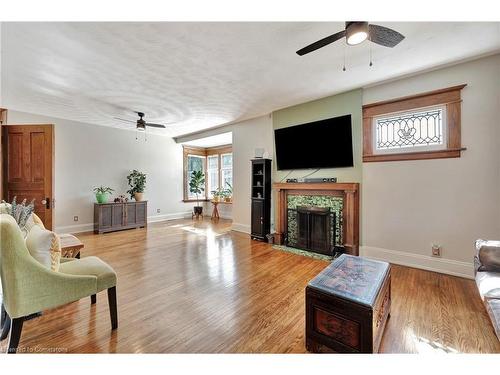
(3, 316)
(5, 327)
(112, 307)
(15, 334)
(93, 299)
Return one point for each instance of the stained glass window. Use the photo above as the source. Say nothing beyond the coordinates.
(417, 130)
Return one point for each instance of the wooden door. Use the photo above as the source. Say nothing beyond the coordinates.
(117, 216)
(28, 167)
(142, 212)
(257, 217)
(131, 213)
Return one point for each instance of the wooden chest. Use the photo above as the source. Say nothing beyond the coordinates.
(347, 306)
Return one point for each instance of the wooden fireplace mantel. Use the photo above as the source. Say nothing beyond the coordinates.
(348, 190)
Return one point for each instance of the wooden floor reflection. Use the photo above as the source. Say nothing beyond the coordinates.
(197, 287)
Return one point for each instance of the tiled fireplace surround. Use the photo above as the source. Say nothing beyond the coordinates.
(341, 198)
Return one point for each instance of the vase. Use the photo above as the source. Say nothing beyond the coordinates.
(101, 197)
(139, 197)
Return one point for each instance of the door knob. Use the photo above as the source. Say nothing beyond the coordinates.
(46, 202)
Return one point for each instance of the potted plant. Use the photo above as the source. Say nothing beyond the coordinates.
(101, 193)
(228, 192)
(218, 194)
(137, 184)
(197, 186)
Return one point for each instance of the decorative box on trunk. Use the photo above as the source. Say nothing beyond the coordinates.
(347, 306)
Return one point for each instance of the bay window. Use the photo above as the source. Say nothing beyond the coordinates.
(215, 162)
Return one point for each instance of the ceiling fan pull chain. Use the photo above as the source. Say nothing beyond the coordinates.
(343, 68)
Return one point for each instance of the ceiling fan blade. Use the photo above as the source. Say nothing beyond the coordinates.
(122, 119)
(155, 125)
(321, 43)
(384, 36)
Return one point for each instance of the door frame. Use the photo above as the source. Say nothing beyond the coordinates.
(49, 186)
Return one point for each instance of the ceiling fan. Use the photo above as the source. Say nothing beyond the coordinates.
(140, 123)
(356, 32)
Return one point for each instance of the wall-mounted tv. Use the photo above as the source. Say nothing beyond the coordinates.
(320, 144)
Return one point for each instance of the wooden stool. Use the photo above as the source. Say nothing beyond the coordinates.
(215, 211)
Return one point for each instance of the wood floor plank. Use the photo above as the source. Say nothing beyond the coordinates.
(197, 287)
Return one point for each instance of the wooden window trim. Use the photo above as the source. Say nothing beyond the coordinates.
(449, 97)
(189, 150)
(3, 116)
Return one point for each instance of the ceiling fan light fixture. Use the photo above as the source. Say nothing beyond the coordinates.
(356, 32)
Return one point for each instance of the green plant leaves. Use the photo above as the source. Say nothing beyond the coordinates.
(136, 182)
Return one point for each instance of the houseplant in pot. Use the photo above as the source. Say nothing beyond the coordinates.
(228, 193)
(101, 193)
(137, 184)
(197, 186)
(218, 194)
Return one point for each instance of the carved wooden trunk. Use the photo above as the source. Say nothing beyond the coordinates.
(110, 217)
(347, 306)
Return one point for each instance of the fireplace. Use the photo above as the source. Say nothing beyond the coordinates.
(311, 228)
(341, 198)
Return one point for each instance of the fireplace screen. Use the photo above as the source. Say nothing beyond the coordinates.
(312, 228)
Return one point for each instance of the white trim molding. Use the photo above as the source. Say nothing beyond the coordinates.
(89, 227)
(166, 217)
(441, 265)
(244, 228)
(78, 228)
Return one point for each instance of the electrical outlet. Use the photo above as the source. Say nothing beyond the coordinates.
(75, 218)
(436, 250)
(157, 210)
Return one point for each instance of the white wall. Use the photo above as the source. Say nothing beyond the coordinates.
(87, 156)
(409, 205)
(0, 64)
(247, 136)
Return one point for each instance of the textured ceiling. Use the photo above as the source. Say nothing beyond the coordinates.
(200, 75)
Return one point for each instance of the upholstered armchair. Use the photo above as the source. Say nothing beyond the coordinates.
(29, 287)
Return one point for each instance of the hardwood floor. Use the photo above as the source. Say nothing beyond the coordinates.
(200, 288)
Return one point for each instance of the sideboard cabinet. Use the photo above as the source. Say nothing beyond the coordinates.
(110, 217)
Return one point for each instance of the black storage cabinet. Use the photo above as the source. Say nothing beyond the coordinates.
(261, 199)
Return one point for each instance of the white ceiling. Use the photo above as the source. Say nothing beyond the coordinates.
(212, 141)
(200, 75)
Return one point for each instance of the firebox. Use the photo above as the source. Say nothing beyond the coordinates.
(311, 228)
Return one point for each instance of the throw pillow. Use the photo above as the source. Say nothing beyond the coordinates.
(44, 246)
(21, 213)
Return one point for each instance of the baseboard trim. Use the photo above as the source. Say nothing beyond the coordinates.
(244, 228)
(221, 216)
(440, 265)
(89, 227)
(166, 217)
(78, 228)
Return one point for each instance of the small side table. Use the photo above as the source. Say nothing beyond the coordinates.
(215, 210)
(70, 246)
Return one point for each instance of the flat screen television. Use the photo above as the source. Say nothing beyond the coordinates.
(320, 144)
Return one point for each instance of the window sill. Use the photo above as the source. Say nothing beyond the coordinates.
(194, 200)
(422, 155)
